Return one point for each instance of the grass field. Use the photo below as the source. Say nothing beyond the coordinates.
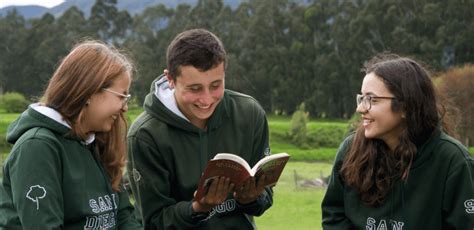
(295, 207)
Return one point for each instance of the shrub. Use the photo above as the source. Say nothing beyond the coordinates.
(298, 130)
(329, 136)
(4, 145)
(14, 102)
(456, 87)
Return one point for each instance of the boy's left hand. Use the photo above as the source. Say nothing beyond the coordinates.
(250, 190)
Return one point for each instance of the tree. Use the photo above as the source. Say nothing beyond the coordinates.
(281, 52)
(456, 86)
(147, 43)
(74, 26)
(108, 23)
(12, 50)
(41, 55)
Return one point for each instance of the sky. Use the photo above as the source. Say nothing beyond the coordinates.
(45, 3)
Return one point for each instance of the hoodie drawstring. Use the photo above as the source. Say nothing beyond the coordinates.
(201, 153)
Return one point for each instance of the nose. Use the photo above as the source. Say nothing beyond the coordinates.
(206, 98)
(125, 108)
(361, 108)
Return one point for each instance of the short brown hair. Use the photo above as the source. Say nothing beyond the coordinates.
(198, 48)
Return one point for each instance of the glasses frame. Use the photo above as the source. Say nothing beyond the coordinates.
(125, 97)
(367, 99)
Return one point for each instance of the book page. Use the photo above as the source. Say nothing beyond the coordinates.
(267, 159)
(272, 167)
(223, 167)
(233, 157)
(238, 170)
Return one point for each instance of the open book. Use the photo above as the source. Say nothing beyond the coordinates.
(238, 170)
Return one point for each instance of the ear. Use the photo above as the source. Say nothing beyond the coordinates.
(170, 79)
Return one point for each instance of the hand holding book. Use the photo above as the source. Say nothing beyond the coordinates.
(238, 171)
(250, 190)
(217, 193)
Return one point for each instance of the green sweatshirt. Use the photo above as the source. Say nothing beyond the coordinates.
(168, 154)
(52, 181)
(439, 193)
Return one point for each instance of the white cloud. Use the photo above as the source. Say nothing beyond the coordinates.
(45, 3)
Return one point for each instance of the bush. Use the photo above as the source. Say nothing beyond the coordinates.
(330, 137)
(456, 87)
(298, 130)
(14, 102)
(4, 145)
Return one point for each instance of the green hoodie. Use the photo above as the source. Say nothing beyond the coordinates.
(52, 181)
(438, 194)
(168, 154)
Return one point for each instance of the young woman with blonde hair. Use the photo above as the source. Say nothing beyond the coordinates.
(66, 165)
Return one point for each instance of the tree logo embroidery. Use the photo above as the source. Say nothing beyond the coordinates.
(267, 151)
(36, 193)
(136, 175)
(469, 204)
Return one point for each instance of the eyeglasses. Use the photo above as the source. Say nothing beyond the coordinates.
(125, 98)
(367, 100)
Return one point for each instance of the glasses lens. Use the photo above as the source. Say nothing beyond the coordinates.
(367, 102)
(364, 100)
(126, 99)
(359, 99)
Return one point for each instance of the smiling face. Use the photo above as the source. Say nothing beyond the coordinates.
(198, 93)
(380, 121)
(104, 108)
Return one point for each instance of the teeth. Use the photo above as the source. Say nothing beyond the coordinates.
(366, 122)
(203, 107)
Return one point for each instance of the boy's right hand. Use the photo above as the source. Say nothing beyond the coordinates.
(216, 194)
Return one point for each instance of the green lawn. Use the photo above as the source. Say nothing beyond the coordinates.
(295, 207)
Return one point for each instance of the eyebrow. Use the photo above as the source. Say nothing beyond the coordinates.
(369, 93)
(193, 85)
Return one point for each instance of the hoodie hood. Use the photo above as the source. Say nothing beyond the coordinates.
(39, 116)
(165, 94)
(161, 104)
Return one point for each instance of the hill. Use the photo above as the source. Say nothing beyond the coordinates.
(132, 6)
(30, 11)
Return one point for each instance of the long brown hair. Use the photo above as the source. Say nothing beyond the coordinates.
(370, 167)
(89, 67)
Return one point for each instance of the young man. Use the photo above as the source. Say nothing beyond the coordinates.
(189, 117)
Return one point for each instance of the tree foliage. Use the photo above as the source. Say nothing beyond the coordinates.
(281, 52)
(457, 86)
